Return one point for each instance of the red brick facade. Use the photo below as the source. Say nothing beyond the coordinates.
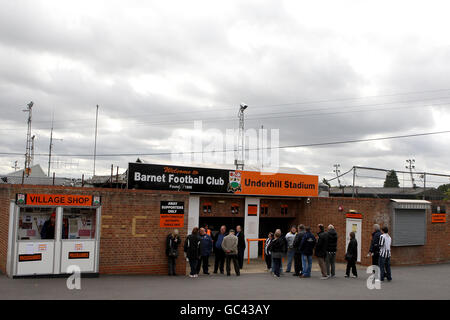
(123, 248)
(325, 211)
(133, 242)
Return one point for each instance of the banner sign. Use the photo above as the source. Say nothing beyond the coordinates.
(207, 180)
(172, 214)
(57, 200)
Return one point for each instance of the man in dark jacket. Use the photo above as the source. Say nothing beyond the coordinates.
(321, 250)
(48, 229)
(219, 254)
(374, 249)
(241, 246)
(306, 248)
(297, 255)
(330, 260)
(206, 245)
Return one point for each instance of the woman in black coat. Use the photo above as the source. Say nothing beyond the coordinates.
(192, 251)
(351, 256)
(278, 248)
(172, 242)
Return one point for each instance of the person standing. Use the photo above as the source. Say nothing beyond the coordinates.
(48, 229)
(230, 247)
(219, 255)
(267, 252)
(205, 250)
(351, 256)
(321, 250)
(192, 251)
(374, 249)
(306, 248)
(297, 255)
(385, 255)
(330, 260)
(278, 248)
(241, 246)
(172, 242)
(290, 236)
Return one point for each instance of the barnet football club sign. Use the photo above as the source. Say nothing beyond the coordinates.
(207, 180)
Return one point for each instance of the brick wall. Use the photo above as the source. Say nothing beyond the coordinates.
(325, 211)
(132, 241)
(221, 206)
(123, 248)
(4, 224)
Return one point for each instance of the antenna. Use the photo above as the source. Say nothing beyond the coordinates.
(32, 149)
(95, 139)
(28, 146)
(411, 165)
(239, 162)
(50, 148)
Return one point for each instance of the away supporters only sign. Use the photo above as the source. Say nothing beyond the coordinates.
(171, 214)
(222, 181)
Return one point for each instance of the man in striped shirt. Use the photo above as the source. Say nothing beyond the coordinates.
(385, 255)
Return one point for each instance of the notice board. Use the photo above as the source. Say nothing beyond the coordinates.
(171, 214)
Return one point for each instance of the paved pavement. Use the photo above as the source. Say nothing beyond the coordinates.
(412, 282)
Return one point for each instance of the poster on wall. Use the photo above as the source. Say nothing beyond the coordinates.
(172, 214)
(208, 180)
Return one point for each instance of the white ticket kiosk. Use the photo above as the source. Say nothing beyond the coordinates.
(49, 233)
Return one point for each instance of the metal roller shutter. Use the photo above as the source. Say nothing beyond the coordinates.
(409, 228)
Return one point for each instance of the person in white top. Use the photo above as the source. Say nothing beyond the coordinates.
(385, 255)
(290, 236)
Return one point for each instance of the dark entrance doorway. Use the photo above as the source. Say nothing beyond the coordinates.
(267, 225)
(214, 223)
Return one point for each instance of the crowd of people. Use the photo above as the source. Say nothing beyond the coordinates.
(298, 246)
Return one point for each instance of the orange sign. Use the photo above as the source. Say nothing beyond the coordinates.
(252, 209)
(354, 215)
(79, 255)
(30, 257)
(278, 184)
(58, 200)
(438, 218)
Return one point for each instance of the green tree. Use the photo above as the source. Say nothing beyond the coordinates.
(391, 180)
(447, 195)
(444, 188)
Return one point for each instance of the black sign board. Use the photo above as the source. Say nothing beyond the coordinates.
(172, 207)
(176, 178)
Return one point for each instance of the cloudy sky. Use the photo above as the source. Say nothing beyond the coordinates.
(319, 71)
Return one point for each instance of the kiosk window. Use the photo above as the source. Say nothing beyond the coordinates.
(78, 223)
(36, 223)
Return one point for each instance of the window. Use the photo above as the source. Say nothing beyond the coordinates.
(78, 223)
(264, 209)
(207, 207)
(284, 209)
(408, 227)
(234, 208)
(36, 224)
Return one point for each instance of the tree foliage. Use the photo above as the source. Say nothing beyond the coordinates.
(391, 180)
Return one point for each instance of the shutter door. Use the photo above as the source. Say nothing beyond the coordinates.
(409, 227)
